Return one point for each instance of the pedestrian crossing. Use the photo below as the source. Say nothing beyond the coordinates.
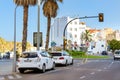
(10, 77)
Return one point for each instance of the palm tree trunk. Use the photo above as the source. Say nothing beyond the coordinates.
(25, 19)
(48, 32)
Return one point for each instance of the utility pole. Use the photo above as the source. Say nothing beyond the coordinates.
(14, 59)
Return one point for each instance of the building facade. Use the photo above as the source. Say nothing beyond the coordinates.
(72, 32)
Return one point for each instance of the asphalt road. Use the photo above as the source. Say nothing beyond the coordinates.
(91, 70)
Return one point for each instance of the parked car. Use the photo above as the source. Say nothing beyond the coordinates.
(104, 53)
(62, 57)
(117, 55)
(35, 60)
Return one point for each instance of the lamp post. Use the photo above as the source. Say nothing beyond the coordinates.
(14, 60)
(38, 28)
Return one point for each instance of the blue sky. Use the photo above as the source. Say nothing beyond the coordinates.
(72, 8)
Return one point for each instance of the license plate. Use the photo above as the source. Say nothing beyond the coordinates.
(55, 58)
(27, 60)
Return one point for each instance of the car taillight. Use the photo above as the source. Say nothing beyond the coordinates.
(61, 58)
(18, 60)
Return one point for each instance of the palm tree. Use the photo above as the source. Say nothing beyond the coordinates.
(50, 8)
(25, 4)
(87, 37)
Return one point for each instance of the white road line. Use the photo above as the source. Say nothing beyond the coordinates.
(99, 70)
(82, 77)
(92, 73)
(18, 76)
(105, 68)
(2, 78)
(110, 64)
(11, 77)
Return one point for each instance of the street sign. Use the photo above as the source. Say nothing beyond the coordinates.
(35, 39)
(53, 44)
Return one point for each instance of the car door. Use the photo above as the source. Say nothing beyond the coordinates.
(44, 58)
(68, 57)
(50, 60)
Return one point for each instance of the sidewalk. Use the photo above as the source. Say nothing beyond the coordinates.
(12, 76)
(6, 70)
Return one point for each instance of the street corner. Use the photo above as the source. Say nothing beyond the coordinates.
(12, 76)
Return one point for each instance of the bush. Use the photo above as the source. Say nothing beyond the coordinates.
(76, 53)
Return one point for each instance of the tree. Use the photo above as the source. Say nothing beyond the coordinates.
(50, 8)
(114, 45)
(25, 4)
(87, 37)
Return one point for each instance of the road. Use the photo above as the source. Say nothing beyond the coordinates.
(92, 70)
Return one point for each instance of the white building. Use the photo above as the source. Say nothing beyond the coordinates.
(72, 33)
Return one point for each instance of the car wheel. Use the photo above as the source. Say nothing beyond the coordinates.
(53, 67)
(72, 62)
(43, 68)
(114, 58)
(66, 63)
(21, 71)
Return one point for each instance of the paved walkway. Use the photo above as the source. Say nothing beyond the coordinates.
(6, 70)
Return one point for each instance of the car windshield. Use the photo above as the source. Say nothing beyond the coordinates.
(56, 54)
(117, 52)
(29, 55)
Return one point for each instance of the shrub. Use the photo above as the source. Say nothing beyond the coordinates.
(76, 53)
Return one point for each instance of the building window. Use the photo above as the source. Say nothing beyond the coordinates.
(75, 36)
(70, 29)
(75, 29)
(70, 35)
(102, 45)
(75, 22)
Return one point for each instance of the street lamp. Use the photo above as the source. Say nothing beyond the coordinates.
(14, 60)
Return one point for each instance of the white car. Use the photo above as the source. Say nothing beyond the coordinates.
(62, 57)
(117, 55)
(36, 60)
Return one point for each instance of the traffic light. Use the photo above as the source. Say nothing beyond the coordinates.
(65, 44)
(65, 41)
(101, 17)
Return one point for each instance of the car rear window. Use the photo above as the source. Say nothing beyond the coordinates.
(29, 55)
(56, 54)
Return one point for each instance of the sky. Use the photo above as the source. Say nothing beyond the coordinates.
(71, 8)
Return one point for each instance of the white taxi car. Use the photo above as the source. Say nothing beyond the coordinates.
(36, 60)
(117, 55)
(62, 57)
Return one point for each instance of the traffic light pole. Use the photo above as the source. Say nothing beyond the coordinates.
(64, 45)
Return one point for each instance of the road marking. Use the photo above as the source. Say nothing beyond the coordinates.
(82, 77)
(105, 68)
(92, 73)
(18, 76)
(10, 77)
(99, 70)
(110, 64)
